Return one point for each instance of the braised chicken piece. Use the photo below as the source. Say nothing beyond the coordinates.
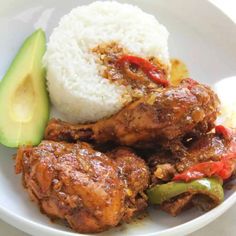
(89, 190)
(164, 165)
(157, 118)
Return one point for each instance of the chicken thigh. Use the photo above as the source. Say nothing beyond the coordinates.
(89, 190)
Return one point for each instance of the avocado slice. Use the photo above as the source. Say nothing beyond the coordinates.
(24, 102)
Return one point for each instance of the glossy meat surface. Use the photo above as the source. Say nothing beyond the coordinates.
(82, 186)
(164, 115)
(165, 164)
(135, 175)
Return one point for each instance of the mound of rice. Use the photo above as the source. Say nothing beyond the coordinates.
(75, 86)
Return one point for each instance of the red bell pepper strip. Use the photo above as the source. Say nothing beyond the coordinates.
(228, 134)
(147, 67)
(225, 132)
(222, 169)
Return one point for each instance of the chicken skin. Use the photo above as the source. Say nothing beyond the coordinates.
(88, 189)
(157, 118)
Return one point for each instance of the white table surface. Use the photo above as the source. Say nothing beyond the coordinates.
(225, 224)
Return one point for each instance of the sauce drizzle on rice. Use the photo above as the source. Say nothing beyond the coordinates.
(109, 54)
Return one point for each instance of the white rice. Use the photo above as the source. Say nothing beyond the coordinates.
(75, 86)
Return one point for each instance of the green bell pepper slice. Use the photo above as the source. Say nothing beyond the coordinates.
(211, 187)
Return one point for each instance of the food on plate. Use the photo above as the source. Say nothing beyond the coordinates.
(211, 158)
(92, 191)
(224, 159)
(208, 147)
(208, 190)
(82, 53)
(136, 130)
(24, 103)
(159, 117)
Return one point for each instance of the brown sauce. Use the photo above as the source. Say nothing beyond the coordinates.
(135, 81)
(107, 56)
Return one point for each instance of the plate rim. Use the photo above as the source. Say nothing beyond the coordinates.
(34, 228)
(27, 225)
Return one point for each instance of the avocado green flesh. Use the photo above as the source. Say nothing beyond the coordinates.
(208, 186)
(24, 102)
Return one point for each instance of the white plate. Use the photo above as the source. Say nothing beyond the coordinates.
(199, 34)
